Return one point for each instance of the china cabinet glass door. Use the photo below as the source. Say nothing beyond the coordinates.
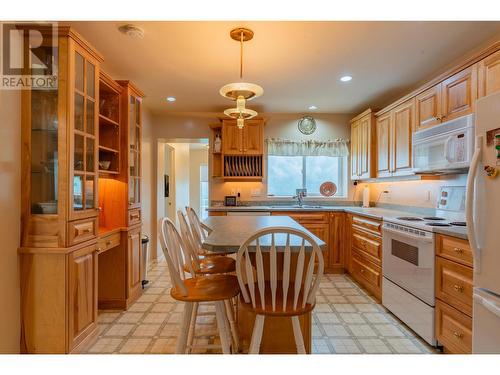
(135, 150)
(44, 145)
(84, 134)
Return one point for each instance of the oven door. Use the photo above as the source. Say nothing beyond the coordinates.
(408, 260)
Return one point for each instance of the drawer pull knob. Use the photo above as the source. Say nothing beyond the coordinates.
(108, 243)
(458, 288)
(458, 335)
(458, 250)
(362, 271)
(86, 230)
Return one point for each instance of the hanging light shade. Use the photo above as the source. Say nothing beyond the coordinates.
(241, 91)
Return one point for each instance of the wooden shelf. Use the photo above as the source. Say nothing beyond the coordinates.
(105, 171)
(102, 148)
(107, 120)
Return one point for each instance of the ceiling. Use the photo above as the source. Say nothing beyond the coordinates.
(297, 63)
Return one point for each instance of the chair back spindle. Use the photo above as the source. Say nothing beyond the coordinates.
(303, 283)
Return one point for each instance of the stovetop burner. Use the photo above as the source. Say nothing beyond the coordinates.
(438, 224)
(434, 218)
(409, 218)
(459, 223)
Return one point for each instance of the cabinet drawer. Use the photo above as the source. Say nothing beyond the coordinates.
(82, 230)
(134, 216)
(304, 217)
(366, 273)
(454, 284)
(454, 249)
(108, 242)
(453, 328)
(369, 244)
(367, 224)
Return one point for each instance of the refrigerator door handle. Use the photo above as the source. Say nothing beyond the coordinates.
(490, 306)
(469, 204)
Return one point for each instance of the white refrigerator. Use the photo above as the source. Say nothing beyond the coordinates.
(483, 229)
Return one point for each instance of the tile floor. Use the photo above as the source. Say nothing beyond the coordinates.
(346, 320)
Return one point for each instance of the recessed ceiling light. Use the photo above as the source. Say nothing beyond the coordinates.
(345, 78)
(312, 107)
(171, 99)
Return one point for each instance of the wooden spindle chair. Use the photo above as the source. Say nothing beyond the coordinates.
(207, 266)
(195, 288)
(270, 292)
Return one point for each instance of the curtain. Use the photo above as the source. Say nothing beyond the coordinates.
(286, 147)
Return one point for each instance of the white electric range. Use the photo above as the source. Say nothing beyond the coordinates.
(408, 261)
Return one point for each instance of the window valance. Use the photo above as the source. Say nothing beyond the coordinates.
(285, 147)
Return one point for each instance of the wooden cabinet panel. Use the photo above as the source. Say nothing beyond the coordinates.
(428, 108)
(134, 217)
(383, 129)
(322, 231)
(364, 147)
(134, 262)
(81, 230)
(253, 138)
(489, 75)
(366, 273)
(348, 242)
(355, 150)
(370, 225)
(454, 284)
(453, 329)
(402, 125)
(232, 139)
(459, 94)
(454, 249)
(337, 225)
(82, 293)
(369, 244)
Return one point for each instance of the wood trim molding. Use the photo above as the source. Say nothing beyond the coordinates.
(108, 81)
(363, 114)
(458, 66)
(135, 90)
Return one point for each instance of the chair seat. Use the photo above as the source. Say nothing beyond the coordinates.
(268, 307)
(208, 288)
(216, 264)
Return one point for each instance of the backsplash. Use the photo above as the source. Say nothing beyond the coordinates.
(422, 193)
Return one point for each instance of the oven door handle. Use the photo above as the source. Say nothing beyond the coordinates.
(409, 235)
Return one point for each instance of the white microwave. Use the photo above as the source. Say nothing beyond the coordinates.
(444, 148)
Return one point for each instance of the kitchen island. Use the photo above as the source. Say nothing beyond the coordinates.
(226, 236)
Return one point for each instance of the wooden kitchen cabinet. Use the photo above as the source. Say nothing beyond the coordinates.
(452, 98)
(134, 263)
(246, 141)
(364, 260)
(394, 132)
(489, 75)
(59, 206)
(82, 294)
(454, 285)
(336, 242)
(362, 145)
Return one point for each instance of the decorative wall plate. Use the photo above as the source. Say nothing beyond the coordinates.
(307, 125)
(328, 189)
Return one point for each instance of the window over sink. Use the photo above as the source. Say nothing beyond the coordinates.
(287, 173)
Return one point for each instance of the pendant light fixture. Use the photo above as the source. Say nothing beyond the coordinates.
(241, 91)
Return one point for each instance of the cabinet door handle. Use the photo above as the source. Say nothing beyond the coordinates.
(458, 288)
(86, 230)
(458, 335)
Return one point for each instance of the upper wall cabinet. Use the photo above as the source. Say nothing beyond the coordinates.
(489, 75)
(394, 132)
(362, 145)
(246, 141)
(452, 98)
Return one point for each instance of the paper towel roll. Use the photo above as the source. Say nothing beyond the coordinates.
(366, 196)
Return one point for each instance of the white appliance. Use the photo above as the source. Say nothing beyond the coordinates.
(408, 277)
(444, 148)
(483, 219)
(408, 261)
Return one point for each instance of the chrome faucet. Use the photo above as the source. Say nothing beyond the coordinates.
(301, 193)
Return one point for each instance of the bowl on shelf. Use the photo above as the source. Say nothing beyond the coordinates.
(104, 164)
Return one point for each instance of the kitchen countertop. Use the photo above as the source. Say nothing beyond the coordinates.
(371, 212)
(228, 234)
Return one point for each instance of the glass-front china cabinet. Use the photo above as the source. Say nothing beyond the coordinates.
(59, 199)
